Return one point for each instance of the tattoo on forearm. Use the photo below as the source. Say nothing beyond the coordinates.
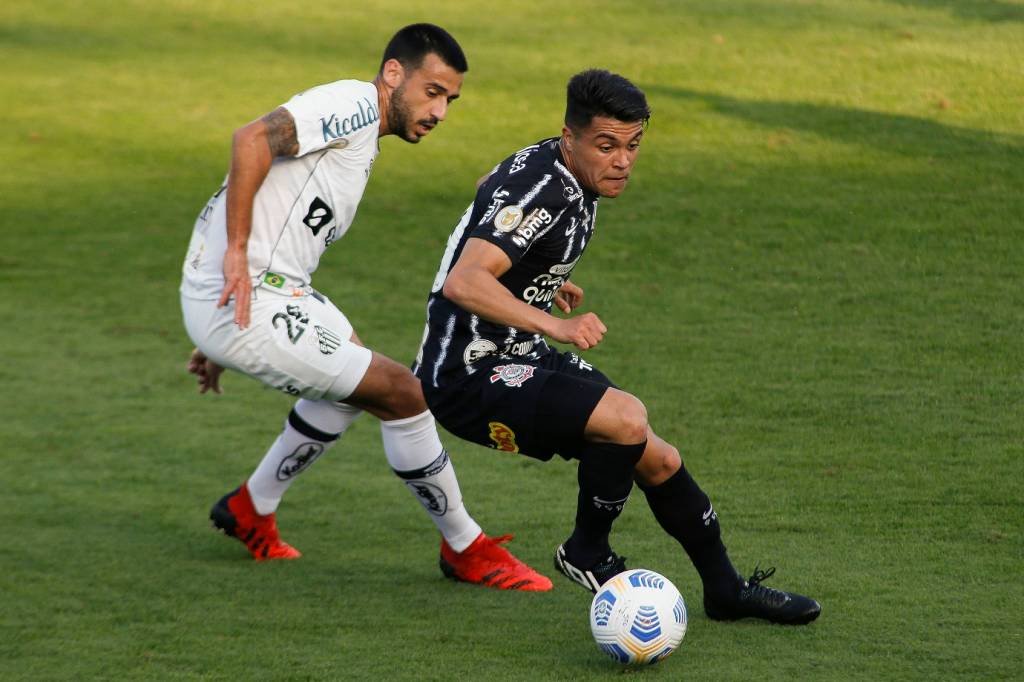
(281, 133)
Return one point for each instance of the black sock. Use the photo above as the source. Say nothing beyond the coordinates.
(685, 512)
(605, 476)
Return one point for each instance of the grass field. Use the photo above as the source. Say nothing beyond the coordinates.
(814, 283)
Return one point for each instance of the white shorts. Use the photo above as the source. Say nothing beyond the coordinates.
(301, 346)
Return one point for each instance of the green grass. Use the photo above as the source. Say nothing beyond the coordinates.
(813, 282)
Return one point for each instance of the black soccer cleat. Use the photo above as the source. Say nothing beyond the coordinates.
(593, 577)
(754, 600)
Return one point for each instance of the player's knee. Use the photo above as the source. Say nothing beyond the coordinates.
(660, 462)
(632, 421)
(405, 399)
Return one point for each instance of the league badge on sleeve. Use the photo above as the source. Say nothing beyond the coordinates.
(508, 218)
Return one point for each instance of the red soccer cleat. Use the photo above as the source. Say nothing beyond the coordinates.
(235, 516)
(486, 562)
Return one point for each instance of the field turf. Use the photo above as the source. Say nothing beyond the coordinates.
(813, 282)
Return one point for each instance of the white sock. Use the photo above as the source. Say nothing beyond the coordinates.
(312, 427)
(415, 453)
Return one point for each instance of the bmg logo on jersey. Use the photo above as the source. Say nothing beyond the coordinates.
(538, 218)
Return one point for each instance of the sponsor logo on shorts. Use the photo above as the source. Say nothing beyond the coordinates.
(294, 463)
(478, 349)
(504, 438)
(513, 375)
(508, 218)
(430, 496)
(327, 340)
(273, 279)
(583, 364)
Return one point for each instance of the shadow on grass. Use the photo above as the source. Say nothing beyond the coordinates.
(983, 10)
(894, 133)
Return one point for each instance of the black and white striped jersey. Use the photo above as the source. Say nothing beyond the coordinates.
(534, 210)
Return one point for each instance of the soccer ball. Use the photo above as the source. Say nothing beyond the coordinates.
(638, 617)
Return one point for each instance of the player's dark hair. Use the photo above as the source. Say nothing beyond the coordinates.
(414, 42)
(597, 92)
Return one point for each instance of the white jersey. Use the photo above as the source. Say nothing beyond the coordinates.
(305, 204)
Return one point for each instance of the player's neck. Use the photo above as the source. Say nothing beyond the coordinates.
(383, 105)
(569, 161)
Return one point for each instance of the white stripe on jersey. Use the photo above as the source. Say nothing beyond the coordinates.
(449, 252)
(512, 331)
(423, 342)
(528, 197)
(449, 332)
(569, 176)
(545, 231)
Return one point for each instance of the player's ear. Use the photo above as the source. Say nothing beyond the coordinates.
(393, 73)
(567, 138)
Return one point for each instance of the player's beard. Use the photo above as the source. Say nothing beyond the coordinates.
(399, 117)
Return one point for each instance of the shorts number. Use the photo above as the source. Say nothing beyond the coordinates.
(295, 321)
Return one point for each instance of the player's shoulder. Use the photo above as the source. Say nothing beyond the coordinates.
(340, 109)
(534, 175)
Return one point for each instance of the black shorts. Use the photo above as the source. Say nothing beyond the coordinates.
(535, 407)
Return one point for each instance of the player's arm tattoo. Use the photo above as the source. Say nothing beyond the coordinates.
(281, 136)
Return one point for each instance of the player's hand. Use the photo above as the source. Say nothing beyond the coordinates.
(206, 370)
(584, 331)
(568, 297)
(237, 284)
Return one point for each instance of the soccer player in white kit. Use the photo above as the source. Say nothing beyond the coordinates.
(296, 178)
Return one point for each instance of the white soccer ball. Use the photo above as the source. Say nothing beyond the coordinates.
(638, 617)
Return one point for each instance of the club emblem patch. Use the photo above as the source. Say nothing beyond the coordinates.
(504, 438)
(327, 340)
(508, 218)
(513, 375)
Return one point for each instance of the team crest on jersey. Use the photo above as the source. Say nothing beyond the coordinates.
(478, 349)
(504, 438)
(513, 375)
(508, 218)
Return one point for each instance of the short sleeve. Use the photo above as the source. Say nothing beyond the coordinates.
(519, 213)
(333, 115)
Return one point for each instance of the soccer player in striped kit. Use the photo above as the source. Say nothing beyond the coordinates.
(490, 377)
